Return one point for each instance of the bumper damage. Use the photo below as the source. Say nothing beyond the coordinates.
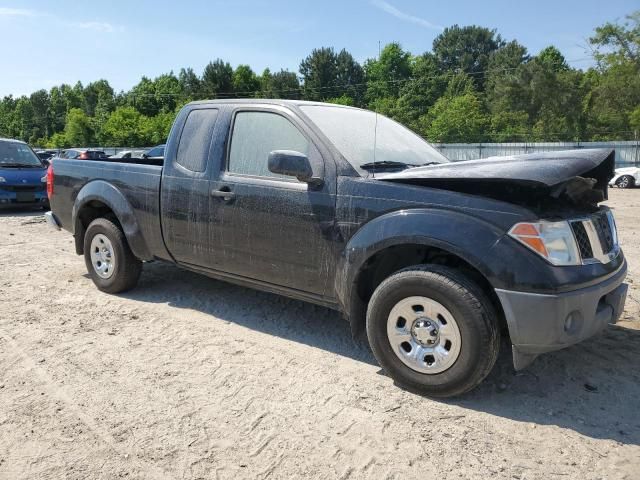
(543, 323)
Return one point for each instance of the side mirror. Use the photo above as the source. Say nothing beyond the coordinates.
(293, 164)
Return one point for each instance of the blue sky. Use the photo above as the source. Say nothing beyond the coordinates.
(45, 43)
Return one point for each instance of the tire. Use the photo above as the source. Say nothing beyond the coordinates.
(625, 181)
(472, 352)
(105, 245)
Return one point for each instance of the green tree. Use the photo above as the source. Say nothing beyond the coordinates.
(457, 119)
(387, 74)
(190, 85)
(126, 126)
(467, 49)
(78, 130)
(320, 74)
(282, 84)
(245, 81)
(217, 79)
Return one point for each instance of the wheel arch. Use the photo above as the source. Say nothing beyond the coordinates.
(100, 199)
(370, 257)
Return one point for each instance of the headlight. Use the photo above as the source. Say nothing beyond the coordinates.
(554, 241)
(44, 179)
(2, 180)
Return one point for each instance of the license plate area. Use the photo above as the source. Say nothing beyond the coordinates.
(25, 197)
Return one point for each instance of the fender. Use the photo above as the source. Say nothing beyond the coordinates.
(465, 236)
(104, 192)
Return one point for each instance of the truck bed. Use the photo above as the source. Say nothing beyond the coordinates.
(136, 185)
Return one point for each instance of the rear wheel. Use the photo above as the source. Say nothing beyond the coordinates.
(625, 181)
(433, 330)
(110, 262)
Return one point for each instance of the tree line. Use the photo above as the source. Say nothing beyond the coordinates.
(472, 86)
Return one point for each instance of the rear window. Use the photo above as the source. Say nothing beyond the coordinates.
(195, 140)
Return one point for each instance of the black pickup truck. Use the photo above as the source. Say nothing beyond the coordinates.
(348, 209)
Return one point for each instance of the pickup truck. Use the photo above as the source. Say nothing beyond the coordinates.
(345, 208)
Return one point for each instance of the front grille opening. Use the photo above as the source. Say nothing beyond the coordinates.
(584, 245)
(603, 228)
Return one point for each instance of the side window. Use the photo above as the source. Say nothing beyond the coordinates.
(195, 140)
(255, 135)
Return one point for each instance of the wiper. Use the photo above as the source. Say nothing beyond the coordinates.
(386, 164)
(390, 164)
(14, 165)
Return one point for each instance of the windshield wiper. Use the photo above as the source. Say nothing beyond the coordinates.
(391, 164)
(386, 164)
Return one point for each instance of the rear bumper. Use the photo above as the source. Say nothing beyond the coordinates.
(543, 323)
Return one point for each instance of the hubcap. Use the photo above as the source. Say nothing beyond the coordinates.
(623, 182)
(102, 256)
(424, 335)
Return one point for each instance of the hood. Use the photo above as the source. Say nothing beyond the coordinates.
(579, 176)
(22, 176)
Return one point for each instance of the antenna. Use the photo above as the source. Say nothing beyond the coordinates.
(375, 128)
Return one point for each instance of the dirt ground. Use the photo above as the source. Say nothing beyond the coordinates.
(187, 377)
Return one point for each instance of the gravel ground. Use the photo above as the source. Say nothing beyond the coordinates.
(188, 377)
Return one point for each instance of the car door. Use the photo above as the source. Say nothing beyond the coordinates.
(185, 187)
(273, 228)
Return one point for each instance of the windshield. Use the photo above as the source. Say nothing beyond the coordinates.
(352, 131)
(17, 154)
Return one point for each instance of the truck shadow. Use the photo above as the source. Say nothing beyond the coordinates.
(592, 388)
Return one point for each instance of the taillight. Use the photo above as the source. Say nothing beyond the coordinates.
(50, 181)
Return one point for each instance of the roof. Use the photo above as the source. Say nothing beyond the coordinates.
(269, 101)
(12, 140)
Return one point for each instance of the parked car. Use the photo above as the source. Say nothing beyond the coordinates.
(128, 154)
(348, 209)
(83, 154)
(22, 175)
(627, 177)
(46, 155)
(155, 155)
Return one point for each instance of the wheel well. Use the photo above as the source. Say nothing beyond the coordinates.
(392, 259)
(87, 214)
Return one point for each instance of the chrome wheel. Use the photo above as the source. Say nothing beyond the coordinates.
(424, 335)
(624, 182)
(102, 256)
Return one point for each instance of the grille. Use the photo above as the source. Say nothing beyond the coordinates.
(603, 228)
(582, 240)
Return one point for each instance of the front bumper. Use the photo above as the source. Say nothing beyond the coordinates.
(16, 198)
(542, 323)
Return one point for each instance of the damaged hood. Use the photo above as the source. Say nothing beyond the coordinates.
(579, 175)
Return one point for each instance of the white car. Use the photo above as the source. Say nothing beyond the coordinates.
(627, 177)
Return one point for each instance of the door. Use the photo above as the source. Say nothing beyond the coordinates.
(271, 227)
(185, 187)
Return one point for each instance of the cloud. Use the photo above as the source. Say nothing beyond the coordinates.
(16, 12)
(391, 10)
(94, 26)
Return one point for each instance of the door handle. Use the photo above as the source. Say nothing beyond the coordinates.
(224, 192)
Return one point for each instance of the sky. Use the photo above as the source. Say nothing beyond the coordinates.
(44, 43)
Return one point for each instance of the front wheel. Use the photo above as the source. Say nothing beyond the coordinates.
(625, 181)
(110, 262)
(433, 330)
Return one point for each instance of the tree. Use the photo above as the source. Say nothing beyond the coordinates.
(387, 74)
(618, 44)
(124, 127)
(349, 78)
(190, 85)
(457, 119)
(78, 129)
(320, 74)
(245, 81)
(467, 49)
(217, 79)
(282, 84)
